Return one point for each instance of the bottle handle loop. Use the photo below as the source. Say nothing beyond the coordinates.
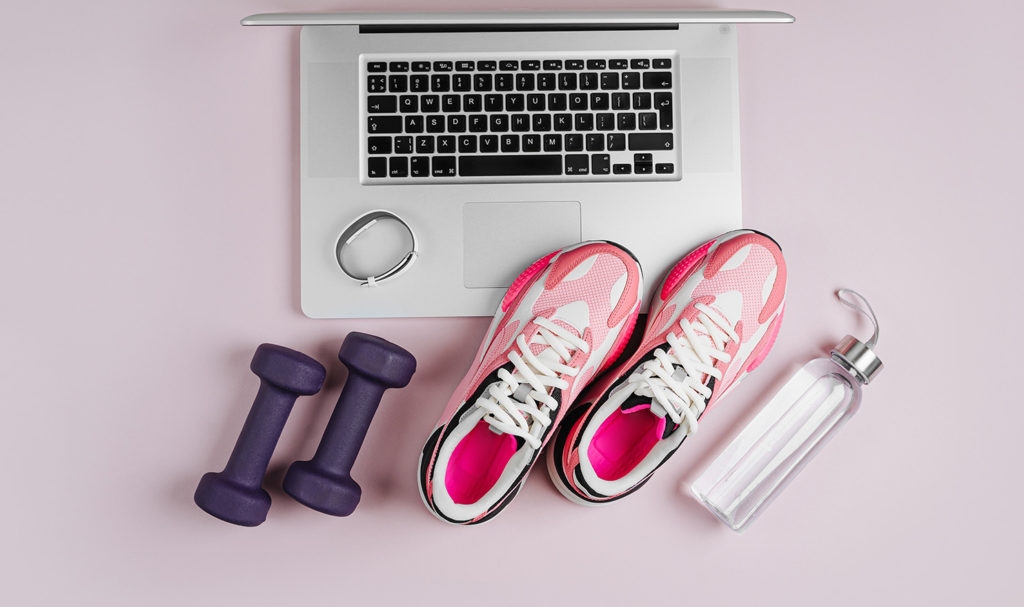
(856, 301)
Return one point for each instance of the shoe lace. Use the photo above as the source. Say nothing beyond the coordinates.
(521, 398)
(675, 379)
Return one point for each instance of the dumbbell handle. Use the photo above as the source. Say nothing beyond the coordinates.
(348, 425)
(260, 432)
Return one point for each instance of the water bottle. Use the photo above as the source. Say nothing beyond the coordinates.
(790, 429)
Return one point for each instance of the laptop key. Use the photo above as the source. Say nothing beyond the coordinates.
(419, 83)
(435, 124)
(535, 102)
(620, 101)
(664, 168)
(552, 143)
(663, 103)
(530, 65)
(584, 122)
(588, 81)
(446, 144)
(616, 142)
(451, 103)
(643, 168)
(509, 65)
(595, 142)
(553, 64)
(494, 103)
(618, 64)
(443, 166)
(630, 80)
(574, 64)
(573, 142)
(467, 144)
(430, 104)
(425, 144)
(487, 66)
(650, 141)
(465, 66)
(440, 83)
(525, 82)
(600, 164)
(488, 143)
(499, 123)
(421, 66)
(408, 104)
(398, 166)
(378, 145)
(377, 166)
(557, 101)
(578, 101)
(596, 64)
(478, 123)
(520, 122)
(398, 66)
(376, 66)
(403, 144)
(381, 104)
(419, 166)
(510, 164)
(542, 122)
(384, 124)
(376, 84)
(622, 169)
(462, 83)
(504, 82)
(609, 81)
(599, 101)
(442, 66)
(545, 82)
(661, 64)
(577, 164)
(563, 122)
(657, 80)
(514, 102)
(531, 143)
(640, 64)
(472, 103)
(398, 83)
(509, 143)
(627, 121)
(641, 101)
(648, 121)
(606, 121)
(414, 124)
(567, 81)
(456, 123)
(482, 82)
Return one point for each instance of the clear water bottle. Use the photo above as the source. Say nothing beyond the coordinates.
(790, 428)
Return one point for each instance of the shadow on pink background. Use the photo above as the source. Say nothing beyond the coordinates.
(148, 244)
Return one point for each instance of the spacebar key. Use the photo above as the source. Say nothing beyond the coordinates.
(510, 164)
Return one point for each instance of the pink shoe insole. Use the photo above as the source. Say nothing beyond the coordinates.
(623, 441)
(477, 462)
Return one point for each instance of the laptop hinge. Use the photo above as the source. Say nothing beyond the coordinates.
(435, 28)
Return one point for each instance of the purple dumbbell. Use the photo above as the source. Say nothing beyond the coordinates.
(235, 494)
(325, 482)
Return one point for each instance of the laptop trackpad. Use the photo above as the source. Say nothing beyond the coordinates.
(501, 239)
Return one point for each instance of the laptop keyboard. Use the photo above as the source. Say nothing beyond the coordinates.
(528, 117)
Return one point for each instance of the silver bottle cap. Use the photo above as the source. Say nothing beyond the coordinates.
(854, 355)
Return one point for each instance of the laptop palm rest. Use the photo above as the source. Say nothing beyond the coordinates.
(501, 239)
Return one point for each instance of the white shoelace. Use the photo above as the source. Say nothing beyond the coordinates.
(680, 392)
(514, 403)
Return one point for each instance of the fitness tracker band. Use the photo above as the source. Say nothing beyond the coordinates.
(360, 225)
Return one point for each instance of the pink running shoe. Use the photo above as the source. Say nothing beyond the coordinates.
(713, 321)
(563, 320)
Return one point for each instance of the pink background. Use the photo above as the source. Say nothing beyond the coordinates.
(148, 242)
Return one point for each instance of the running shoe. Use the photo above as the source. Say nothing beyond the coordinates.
(563, 320)
(713, 320)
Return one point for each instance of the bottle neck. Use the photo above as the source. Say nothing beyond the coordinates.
(850, 369)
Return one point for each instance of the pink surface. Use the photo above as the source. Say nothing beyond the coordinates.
(148, 243)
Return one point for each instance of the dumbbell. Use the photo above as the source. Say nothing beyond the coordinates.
(235, 494)
(325, 482)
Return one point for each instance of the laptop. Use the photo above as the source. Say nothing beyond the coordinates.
(498, 138)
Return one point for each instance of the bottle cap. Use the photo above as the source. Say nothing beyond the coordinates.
(851, 353)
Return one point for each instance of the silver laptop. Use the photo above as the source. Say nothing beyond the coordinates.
(498, 138)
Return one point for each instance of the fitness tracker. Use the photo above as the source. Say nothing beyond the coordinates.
(360, 225)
